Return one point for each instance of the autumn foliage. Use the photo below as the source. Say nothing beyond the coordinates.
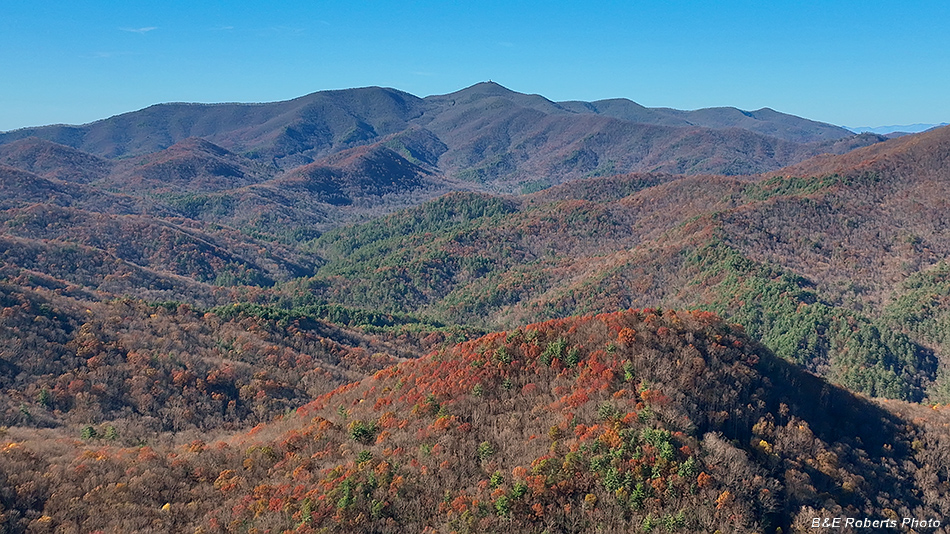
(574, 425)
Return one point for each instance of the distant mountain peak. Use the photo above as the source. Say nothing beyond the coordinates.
(490, 83)
(483, 89)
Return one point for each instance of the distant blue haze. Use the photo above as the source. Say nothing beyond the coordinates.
(906, 128)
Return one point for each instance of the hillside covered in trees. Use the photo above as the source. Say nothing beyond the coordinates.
(632, 421)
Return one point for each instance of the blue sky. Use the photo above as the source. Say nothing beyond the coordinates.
(856, 63)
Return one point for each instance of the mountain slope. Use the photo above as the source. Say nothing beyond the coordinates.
(191, 165)
(304, 127)
(912, 154)
(619, 422)
(70, 362)
(368, 171)
(52, 160)
(221, 274)
(496, 134)
(179, 259)
(21, 188)
(494, 262)
(879, 212)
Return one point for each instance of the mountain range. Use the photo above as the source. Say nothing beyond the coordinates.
(484, 132)
(362, 310)
(896, 129)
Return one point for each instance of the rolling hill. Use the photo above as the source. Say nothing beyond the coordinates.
(52, 160)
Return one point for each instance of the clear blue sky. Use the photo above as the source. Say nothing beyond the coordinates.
(856, 63)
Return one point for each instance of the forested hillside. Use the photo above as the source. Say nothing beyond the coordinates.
(146, 368)
(632, 421)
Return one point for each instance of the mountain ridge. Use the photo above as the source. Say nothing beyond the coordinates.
(476, 122)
